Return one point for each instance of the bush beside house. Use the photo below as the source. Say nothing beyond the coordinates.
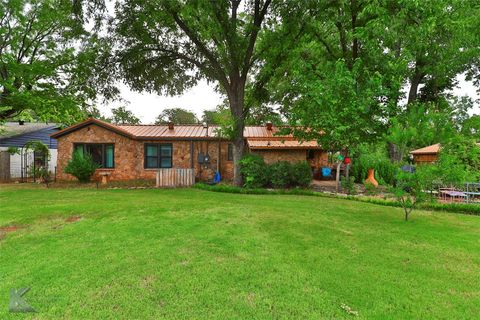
(280, 175)
(81, 166)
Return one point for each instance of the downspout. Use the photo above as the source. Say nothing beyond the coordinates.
(191, 155)
(218, 156)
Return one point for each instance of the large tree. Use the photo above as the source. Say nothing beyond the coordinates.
(355, 60)
(121, 115)
(167, 46)
(258, 114)
(48, 61)
(177, 116)
(333, 84)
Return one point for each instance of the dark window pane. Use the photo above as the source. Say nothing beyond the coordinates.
(108, 156)
(152, 162)
(158, 156)
(95, 150)
(166, 151)
(152, 150)
(166, 162)
(311, 154)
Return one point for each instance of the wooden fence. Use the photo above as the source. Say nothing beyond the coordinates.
(175, 178)
(4, 166)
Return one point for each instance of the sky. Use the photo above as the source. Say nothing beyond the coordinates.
(148, 106)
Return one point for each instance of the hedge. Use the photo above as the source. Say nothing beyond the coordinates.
(463, 208)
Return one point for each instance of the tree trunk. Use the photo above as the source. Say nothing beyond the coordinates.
(394, 152)
(415, 82)
(236, 98)
(337, 177)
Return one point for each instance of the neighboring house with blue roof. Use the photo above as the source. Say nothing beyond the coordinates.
(16, 135)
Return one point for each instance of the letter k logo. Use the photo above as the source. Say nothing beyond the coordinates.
(17, 303)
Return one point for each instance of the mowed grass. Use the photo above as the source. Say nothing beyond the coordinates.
(192, 254)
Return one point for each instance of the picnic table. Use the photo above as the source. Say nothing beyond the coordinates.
(452, 193)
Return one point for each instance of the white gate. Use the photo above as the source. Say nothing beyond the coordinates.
(175, 178)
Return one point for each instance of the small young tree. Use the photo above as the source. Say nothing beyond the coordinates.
(45, 175)
(408, 191)
(81, 166)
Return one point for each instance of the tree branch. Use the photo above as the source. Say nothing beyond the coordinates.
(259, 15)
(202, 48)
(21, 51)
(178, 55)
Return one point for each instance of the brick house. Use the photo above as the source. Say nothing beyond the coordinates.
(127, 152)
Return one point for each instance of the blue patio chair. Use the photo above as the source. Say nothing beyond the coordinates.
(326, 172)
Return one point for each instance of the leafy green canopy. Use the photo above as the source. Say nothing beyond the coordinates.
(50, 66)
(177, 116)
(121, 115)
(354, 65)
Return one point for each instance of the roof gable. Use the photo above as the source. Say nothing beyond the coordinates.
(433, 149)
(91, 121)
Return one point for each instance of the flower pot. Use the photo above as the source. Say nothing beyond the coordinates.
(371, 178)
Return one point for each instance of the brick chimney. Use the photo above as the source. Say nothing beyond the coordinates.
(170, 125)
(269, 126)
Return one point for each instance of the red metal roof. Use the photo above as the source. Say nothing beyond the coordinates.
(261, 132)
(162, 131)
(279, 144)
(258, 137)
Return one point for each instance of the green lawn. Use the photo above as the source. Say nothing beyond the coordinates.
(192, 254)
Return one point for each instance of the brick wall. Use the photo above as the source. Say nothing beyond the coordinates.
(272, 156)
(204, 172)
(129, 155)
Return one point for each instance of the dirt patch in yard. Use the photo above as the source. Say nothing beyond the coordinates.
(10, 228)
(5, 229)
(73, 219)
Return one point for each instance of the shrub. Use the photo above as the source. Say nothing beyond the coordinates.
(81, 166)
(370, 189)
(348, 185)
(463, 151)
(301, 174)
(46, 176)
(254, 171)
(409, 191)
(463, 208)
(375, 157)
(280, 174)
(386, 171)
